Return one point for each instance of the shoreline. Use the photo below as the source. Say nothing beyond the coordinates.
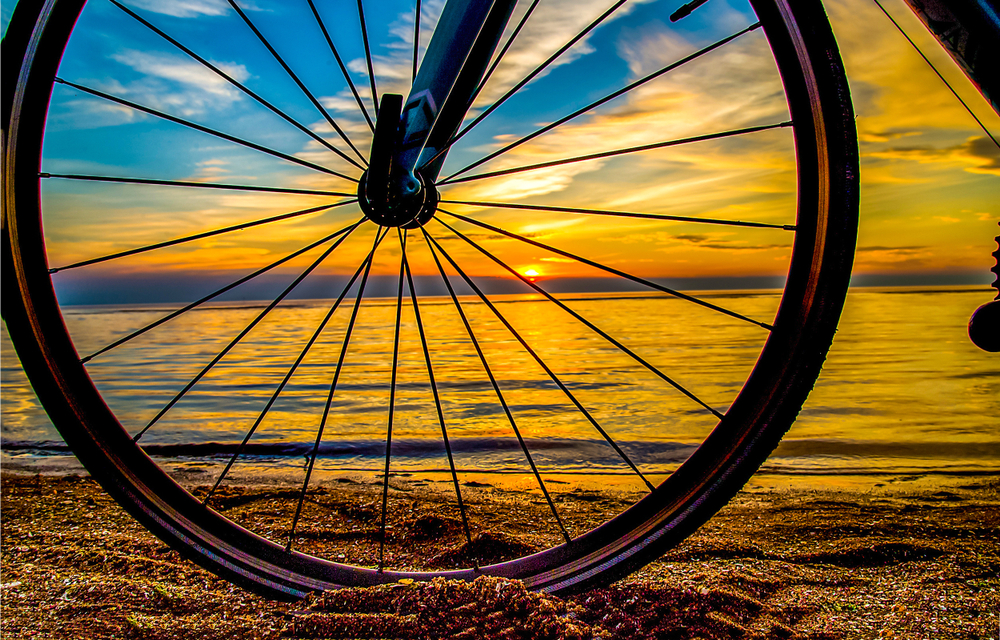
(192, 471)
(912, 558)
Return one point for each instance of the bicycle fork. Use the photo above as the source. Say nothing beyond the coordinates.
(412, 137)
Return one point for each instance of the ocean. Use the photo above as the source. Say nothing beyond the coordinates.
(903, 391)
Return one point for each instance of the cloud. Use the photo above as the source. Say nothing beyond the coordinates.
(178, 84)
(558, 259)
(884, 136)
(211, 169)
(703, 97)
(902, 258)
(184, 71)
(184, 8)
(402, 27)
(901, 250)
(551, 26)
(980, 152)
(86, 112)
(524, 185)
(984, 152)
(705, 241)
(174, 84)
(551, 225)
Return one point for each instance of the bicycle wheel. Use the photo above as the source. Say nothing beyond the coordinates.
(124, 389)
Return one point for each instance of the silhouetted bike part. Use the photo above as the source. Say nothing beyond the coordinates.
(412, 211)
(984, 325)
(969, 30)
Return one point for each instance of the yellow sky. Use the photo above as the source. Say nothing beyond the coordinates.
(930, 178)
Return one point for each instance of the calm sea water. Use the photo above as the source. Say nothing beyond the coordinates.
(903, 390)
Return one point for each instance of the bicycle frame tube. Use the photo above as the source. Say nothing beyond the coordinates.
(970, 31)
(453, 66)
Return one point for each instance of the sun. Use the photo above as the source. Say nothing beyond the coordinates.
(531, 274)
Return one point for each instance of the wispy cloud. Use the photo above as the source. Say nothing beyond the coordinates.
(184, 8)
(551, 26)
(179, 84)
(171, 83)
(976, 155)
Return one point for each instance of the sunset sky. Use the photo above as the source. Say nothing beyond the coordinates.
(930, 178)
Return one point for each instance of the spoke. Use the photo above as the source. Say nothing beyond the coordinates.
(503, 51)
(198, 127)
(392, 403)
(239, 85)
(281, 386)
(437, 400)
(608, 98)
(612, 270)
(343, 67)
(197, 185)
(204, 234)
(616, 152)
(545, 367)
(229, 347)
(496, 386)
(379, 236)
(219, 292)
(416, 39)
(593, 25)
(588, 323)
(295, 78)
(623, 214)
(368, 55)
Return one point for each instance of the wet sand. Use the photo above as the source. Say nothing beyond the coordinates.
(870, 558)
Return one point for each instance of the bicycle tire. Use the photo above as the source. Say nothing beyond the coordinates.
(788, 366)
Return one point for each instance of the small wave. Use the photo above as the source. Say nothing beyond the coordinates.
(406, 448)
(793, 457)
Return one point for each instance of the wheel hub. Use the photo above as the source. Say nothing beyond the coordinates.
(408, 203)
(391, 192)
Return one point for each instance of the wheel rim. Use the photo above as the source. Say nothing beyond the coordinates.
(754, 422)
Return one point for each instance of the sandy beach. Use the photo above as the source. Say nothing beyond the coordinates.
(904, 557)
